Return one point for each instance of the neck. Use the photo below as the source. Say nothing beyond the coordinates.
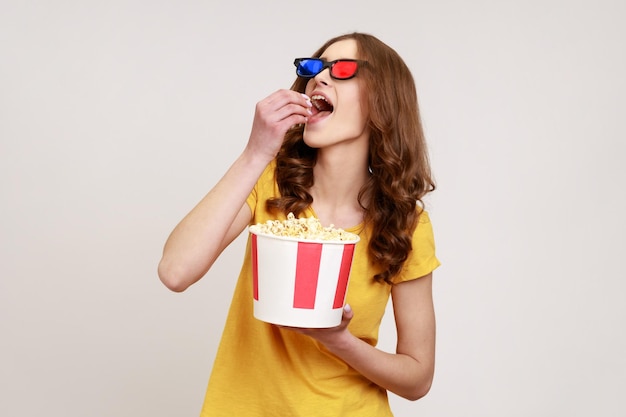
(338, 180)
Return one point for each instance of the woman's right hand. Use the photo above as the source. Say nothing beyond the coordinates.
(273, 117)
(222, 214)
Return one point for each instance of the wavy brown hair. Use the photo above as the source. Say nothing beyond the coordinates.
(401, 176)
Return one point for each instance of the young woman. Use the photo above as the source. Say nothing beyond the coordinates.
(344, 144)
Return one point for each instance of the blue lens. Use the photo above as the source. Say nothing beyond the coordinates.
(310, 67)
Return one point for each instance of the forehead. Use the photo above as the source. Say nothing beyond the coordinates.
(344, 49)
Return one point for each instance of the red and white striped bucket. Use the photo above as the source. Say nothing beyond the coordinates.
(300, 283)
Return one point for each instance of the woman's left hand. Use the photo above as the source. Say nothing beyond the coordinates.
(409, 371)
(332, 335)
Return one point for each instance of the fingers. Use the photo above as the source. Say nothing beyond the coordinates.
(285, 107)
(274, 116)
(281, 98)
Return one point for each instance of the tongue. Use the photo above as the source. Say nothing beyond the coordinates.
(317, 111)
(318, 114)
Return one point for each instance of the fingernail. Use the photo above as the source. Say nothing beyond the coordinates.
(308, 100)
(347, 308)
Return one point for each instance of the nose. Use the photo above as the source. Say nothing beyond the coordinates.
(323, 77)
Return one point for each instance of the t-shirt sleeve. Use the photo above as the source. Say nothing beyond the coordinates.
(252, 199)
(422, 259)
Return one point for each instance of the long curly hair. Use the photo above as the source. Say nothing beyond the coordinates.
(398, 158)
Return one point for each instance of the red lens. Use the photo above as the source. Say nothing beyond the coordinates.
(344, 69)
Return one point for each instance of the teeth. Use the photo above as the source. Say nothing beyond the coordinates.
(315, 99)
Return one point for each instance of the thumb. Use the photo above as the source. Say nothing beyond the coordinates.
(347, 312)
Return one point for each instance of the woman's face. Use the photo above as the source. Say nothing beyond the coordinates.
(339, 110)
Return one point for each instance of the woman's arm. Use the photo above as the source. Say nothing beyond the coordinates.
(197, 241)
(409, 372)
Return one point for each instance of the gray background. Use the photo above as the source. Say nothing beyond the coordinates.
(117, 117)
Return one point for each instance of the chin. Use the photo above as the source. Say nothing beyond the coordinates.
(310, 144)
(311, 139)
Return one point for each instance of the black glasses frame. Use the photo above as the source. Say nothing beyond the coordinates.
(329, 65)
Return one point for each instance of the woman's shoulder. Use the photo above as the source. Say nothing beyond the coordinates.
(422, 259)
(424, 227)
(424, 217)
(268, 177)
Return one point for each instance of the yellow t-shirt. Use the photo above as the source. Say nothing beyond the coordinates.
(262, 370)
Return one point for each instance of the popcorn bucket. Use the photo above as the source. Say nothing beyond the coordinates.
(300, 283)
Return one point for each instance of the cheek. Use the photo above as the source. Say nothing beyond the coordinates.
(358, 96)
(360, 113)
(309, 87)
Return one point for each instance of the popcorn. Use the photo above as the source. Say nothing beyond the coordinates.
(304, 228)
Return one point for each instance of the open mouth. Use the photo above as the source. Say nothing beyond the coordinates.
(321, 104)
